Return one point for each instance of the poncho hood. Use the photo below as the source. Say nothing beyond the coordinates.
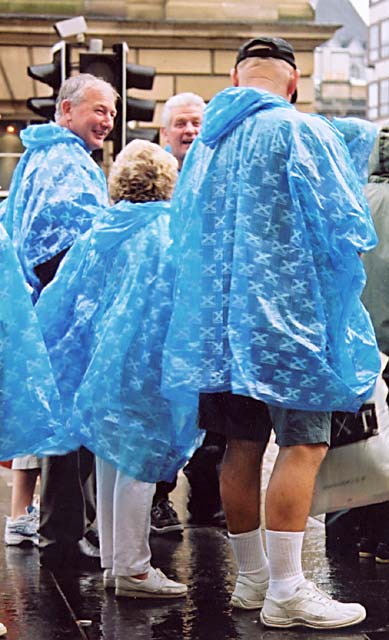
(39, 135)
(231, 106)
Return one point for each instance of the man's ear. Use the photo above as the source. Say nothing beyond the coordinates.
(234, 77)
(66, 106)
(163, 135)
(293, 82)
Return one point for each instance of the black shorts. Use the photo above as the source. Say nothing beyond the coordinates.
(236, 417)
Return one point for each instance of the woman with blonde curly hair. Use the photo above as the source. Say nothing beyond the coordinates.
(114, 290)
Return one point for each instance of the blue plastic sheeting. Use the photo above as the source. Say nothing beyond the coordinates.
(268, 219)
(29, 402)
(359, 136)
(114, 292)
(55, 193)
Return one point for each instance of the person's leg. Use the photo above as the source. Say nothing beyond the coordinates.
(105, 487)
(23, 487)
(62, 511)
(22, 526)
(202, 473)
(164, 518)
(241, 476)
(134, 576)
(291, 599)
(132, 507)
(240, 490)
(287, 506)
(88, 483)
(290, 489)
(89, 544)
(246, 425)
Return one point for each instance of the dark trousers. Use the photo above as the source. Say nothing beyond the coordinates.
(202, 472)
(67, 504)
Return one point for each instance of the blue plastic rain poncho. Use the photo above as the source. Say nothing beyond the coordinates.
(115, 288)
(268, 218)
(56, 191)
(359, 136)
(29, 400)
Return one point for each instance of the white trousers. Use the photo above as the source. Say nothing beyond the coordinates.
(123, 518)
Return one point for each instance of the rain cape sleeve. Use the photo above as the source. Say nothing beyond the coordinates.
(269, 219)
(114, 289)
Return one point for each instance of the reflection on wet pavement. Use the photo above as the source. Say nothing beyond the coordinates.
(36, 606)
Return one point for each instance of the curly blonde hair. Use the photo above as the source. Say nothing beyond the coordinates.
(142, 172)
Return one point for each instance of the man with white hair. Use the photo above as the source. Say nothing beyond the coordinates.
(182, 116)
(56, 192)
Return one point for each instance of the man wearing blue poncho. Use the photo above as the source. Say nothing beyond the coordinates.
(268, 222)
(56, 192)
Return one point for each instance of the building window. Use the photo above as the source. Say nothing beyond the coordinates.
(384, 50)
(384, 98)
(374, 42)
(379, 41)
(373, 101)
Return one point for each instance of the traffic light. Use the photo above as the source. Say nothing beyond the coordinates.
(113, 67)
(54, 74)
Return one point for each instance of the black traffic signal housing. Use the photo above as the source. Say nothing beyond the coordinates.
(113, 67)
(53, 74)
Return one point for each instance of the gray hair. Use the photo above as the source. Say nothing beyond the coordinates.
(74, 88)
(186, 99)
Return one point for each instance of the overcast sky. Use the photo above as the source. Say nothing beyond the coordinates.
(363, 7)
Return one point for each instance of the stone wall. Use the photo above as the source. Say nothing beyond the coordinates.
(192, 45)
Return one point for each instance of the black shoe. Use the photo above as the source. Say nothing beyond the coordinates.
(207, 519)
(164, 518)
(367, 548)
(382, 553)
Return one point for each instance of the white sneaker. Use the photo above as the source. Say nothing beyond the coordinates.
(312, 608)
(248, 594)
(108, 579)
(23, 529)
(3, 630)
(156, 585)
(88, 549)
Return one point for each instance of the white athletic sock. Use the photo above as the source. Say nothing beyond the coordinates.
(250, 554)
(284, 549)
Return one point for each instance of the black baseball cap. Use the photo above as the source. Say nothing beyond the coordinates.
(268, 48)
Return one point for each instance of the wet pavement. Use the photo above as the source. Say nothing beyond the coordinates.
(35, 605)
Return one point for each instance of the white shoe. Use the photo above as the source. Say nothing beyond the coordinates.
(108, 579)
(156, 585)
(3, 630)
(248, 594)
(23, 529)
(88, 549)
(310, 607)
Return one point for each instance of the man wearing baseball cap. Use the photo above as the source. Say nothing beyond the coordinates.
(267, 326)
